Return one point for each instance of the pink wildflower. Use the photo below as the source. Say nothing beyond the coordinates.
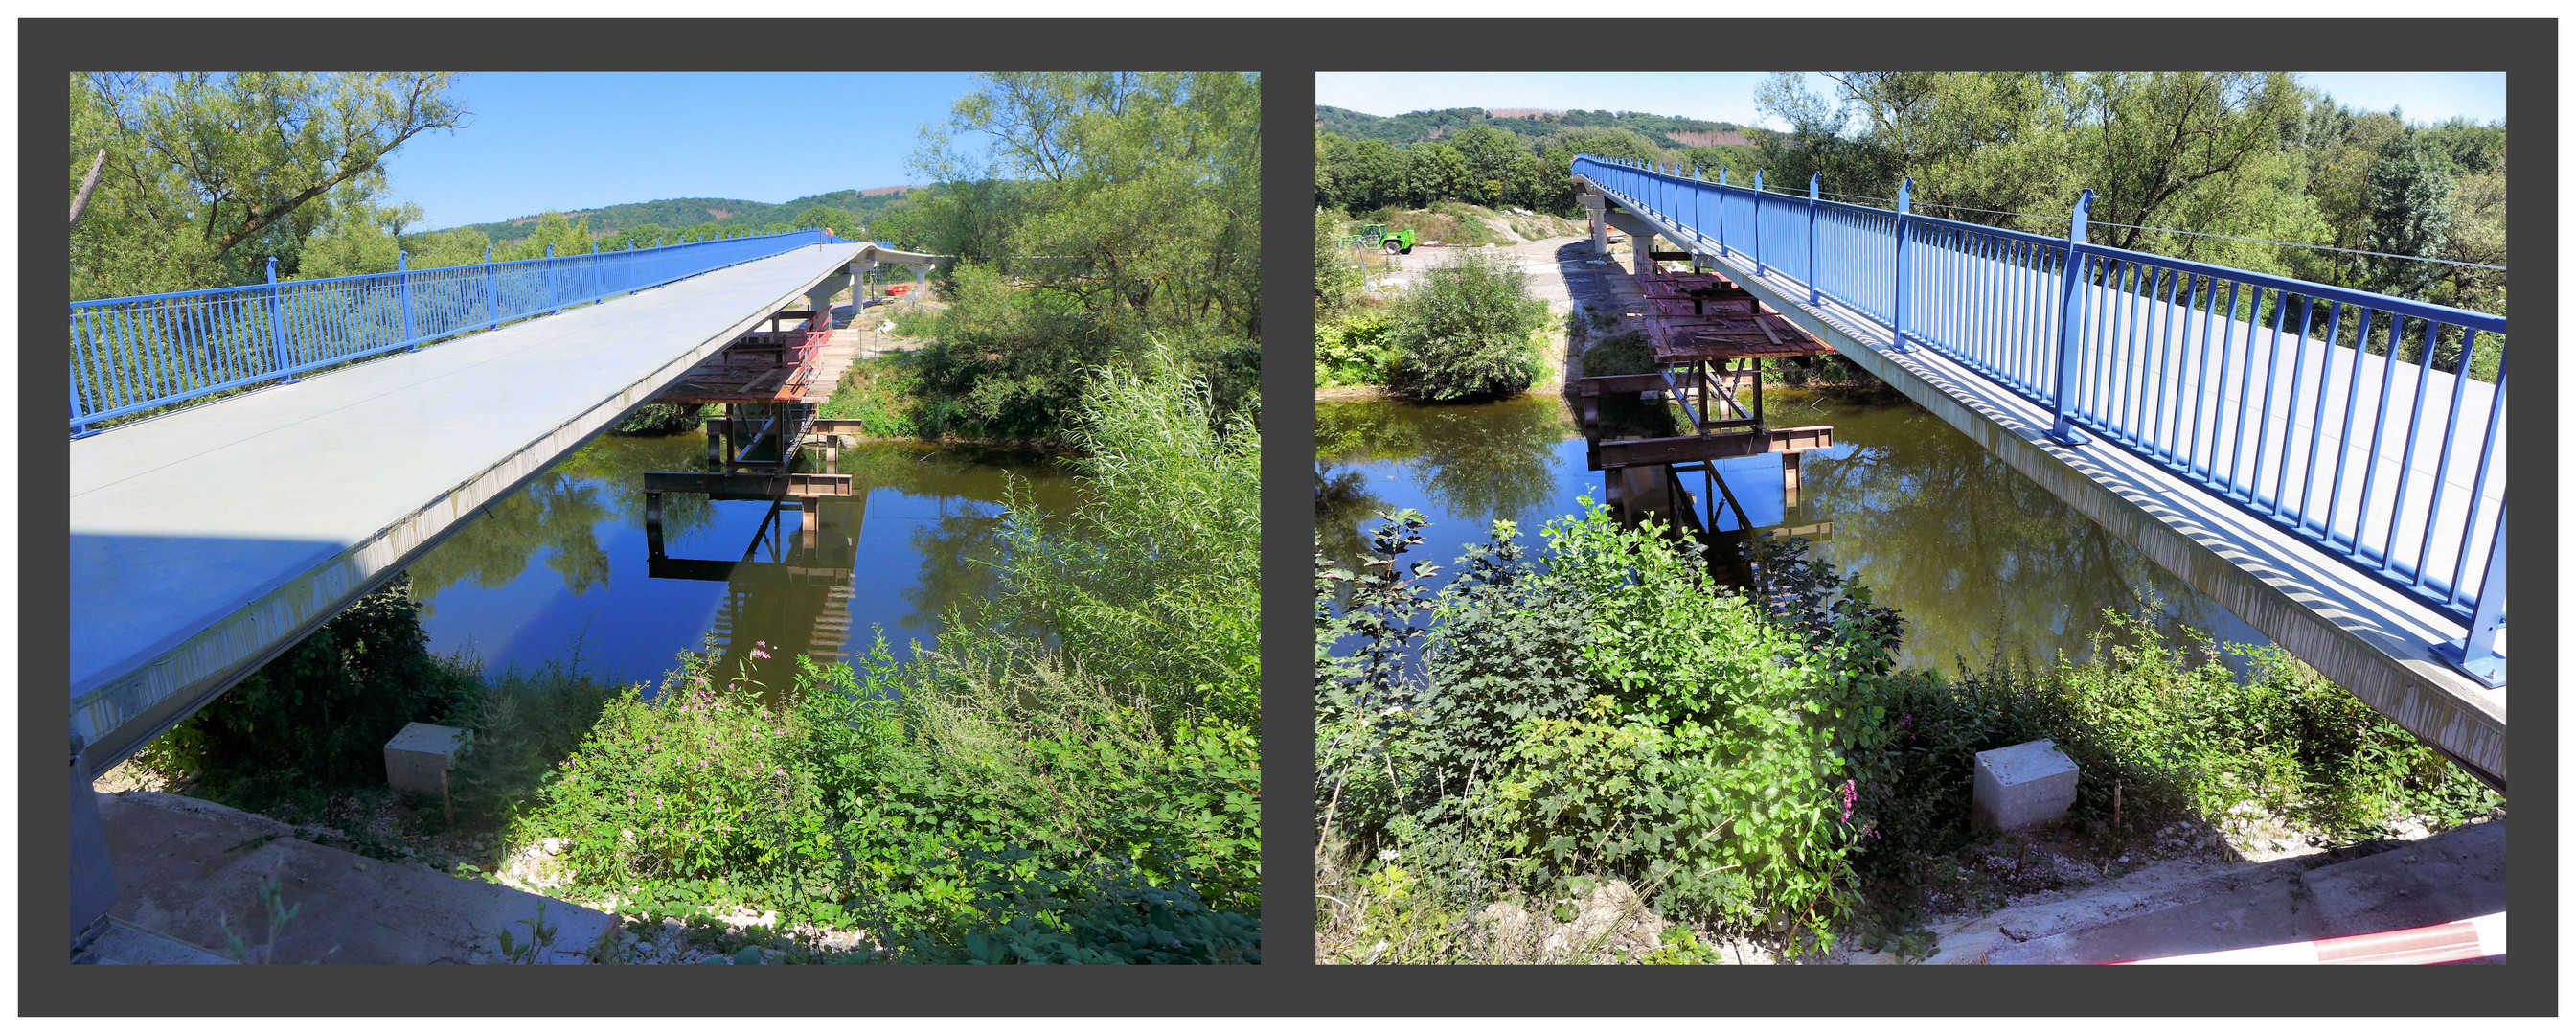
(1851, 793)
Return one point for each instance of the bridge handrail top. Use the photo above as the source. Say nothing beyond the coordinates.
(195, 292)
(2471, 319)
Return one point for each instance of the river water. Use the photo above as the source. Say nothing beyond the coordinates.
(561, 572)
(1981, 561)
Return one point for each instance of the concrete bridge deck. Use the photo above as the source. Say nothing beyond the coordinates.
(2374, 640)
(205, 541)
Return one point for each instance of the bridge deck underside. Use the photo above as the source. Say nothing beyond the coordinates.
(205, 541)
(2372, 639)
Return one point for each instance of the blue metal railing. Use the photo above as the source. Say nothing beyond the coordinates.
(139, 354)
(2264, 390)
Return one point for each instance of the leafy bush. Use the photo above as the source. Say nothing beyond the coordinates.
(1625, 353)
(1660, 730)
(1337, 276)
(880, 392)
(1355, 351)
(1466, 330)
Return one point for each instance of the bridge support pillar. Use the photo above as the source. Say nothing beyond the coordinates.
(1597, 208)
(93, 890)
(1641, 241)
(819, 298)
(858, 272)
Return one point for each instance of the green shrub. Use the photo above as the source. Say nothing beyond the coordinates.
(880, 392)
(1466, 330)
(1337, 276)
(1710, 767)
(1624, 353)
(1355, 351)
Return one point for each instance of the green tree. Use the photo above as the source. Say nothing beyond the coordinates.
(1101, 209)
(209, 174)
(567, 236)
(1492, 159)
(1433, 172)
(1363, 173)
(357, 238)
(840, 223)
(2411, 196)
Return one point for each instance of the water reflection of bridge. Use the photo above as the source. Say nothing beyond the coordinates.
(785, 572)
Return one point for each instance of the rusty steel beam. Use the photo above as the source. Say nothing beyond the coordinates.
(746, 486)
(1686, 448)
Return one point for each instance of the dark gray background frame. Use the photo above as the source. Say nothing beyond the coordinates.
(1286, 53)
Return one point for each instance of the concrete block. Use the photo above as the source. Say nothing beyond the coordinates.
(2024, 785)
(417, 759)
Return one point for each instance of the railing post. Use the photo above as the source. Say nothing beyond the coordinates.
(2475, 653)
(1815, 192)
(1896, 299)
(402, 293)
(277, 326)
(554, 297)
(491, 295)
(2070, 330)
(1757, 222)
(1696, 233)
(1721, 210)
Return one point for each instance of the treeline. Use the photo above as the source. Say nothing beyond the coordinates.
(1483, 165)
(2171, 157)
(674, 215)
(1665, 131)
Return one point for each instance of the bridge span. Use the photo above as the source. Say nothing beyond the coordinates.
(2349, 505)
(206, 539)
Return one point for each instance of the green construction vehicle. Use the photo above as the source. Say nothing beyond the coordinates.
(1375, 235)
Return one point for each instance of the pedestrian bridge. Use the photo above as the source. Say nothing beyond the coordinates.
(245, 462)
(2348, 504)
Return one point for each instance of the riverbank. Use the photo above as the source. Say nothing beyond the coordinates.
(1045, 782)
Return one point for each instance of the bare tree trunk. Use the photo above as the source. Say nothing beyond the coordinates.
(80, 201)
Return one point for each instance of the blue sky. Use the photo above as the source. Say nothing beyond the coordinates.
(573, 140)
(1728, 96)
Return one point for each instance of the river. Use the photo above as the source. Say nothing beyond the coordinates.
(1981, 561)
(560, 571)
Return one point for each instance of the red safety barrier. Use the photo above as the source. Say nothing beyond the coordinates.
(2475, 938)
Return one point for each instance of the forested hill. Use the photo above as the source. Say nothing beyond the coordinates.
(1416, 127)
(691, 213)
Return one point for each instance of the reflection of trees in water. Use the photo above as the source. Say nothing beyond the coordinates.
(1972, 553)
(559, 512)
(959, 552)
(1343, 507)
(1493, 463)
(555, 512)
(1478, 464)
